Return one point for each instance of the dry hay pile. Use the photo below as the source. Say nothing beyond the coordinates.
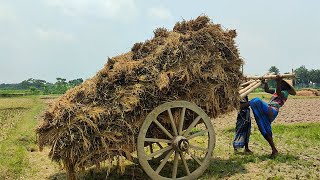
(198, 61)
(308, 92)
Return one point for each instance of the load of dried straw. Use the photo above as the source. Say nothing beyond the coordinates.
(198, 61)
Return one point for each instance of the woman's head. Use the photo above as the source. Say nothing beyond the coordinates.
(287, 87)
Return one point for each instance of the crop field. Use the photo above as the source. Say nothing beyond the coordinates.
(296, 133)
(17, 119)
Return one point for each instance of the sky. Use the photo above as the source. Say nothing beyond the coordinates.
(46, 39)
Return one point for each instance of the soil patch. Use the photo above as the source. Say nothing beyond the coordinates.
(299, 110)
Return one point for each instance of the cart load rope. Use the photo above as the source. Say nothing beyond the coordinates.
(197, 61)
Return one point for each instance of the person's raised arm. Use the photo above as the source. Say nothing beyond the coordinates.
(278, 90)
(266, 88)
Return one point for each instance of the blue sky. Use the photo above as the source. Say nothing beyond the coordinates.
(45, 39)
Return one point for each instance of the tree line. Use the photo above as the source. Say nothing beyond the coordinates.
(304, 77)
(38, 86)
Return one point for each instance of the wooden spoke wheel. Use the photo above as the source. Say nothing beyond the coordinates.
(176, 141)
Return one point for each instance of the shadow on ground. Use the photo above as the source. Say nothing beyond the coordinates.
(131, 172)
(219, 168)
(222, 168)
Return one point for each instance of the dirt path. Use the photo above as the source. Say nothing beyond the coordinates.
(40, 165)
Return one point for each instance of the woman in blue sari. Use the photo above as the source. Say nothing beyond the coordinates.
(265, 113)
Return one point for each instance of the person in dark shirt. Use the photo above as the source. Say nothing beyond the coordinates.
(243, 128)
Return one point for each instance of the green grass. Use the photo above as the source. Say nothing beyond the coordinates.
(13, 93)
(295, 135)
(298, 144)
(20, 137)
(267, 96)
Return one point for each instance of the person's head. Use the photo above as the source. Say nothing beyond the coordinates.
(287, 87)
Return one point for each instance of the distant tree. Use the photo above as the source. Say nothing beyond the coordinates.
(314, 75)
(61, 80)
(75, 82)
(37, 83)
(38, 86)
(34, 91)
(303, 77)
(273, 69)
(61, 86)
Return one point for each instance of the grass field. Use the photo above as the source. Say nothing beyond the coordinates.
(17, 138)
(13, 93)
(298, 143)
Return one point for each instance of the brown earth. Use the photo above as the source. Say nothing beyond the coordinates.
(308, 92)
(305, 93)
(300, 110)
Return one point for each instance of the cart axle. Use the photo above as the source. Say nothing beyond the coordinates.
(181, 143)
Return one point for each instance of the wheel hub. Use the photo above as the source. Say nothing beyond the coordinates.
(180, 143)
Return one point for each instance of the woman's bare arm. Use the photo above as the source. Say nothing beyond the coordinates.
(266, 88)
(278, 90)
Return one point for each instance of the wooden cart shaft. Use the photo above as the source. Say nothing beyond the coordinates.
(253, 82)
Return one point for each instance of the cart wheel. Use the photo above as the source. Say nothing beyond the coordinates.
(180, 137)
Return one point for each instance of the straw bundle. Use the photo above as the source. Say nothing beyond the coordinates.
(100, 119)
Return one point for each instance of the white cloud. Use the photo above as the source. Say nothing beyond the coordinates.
(160, 13)
(53, 35)
(112, 9)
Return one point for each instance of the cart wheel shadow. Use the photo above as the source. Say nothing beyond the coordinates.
(218, 168)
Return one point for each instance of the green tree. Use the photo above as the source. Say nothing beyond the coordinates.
(75, 82)
(34, 91)
(34, 85)
(274, 69)
(61, 86)
(272, 83)
(303, 76)
(314, 75)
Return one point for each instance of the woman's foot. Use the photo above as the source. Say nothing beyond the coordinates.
(274, 153)
(248, 151)
(236, 151)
